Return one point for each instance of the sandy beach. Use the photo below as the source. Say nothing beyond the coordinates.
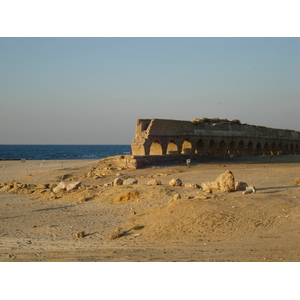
(153, 222)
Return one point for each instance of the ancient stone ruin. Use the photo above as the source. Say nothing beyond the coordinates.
(159, 140)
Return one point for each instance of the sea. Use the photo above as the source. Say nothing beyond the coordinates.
(61, 152)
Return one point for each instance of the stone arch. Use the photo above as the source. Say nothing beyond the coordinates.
(241, 148)
(266, 150)
(231, 149)
(156, 148)
(222, 148)
(286, 149)
(250, 150)
(258, 149)
(273, 149)
(212, 146)
(280, 149)
(187, 147)
(292, 149)
(172, 148)
(200, 147)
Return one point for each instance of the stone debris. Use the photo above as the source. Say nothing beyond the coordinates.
(175, 197)
(108, 184)
(226, 182)
(241, 186)
(154, 182)
(73, 186)
(5, 188)
(116, 234)
(297, 181)
(60, 187)
(80, 234)
(175, 182)
(192, 186)
(209, 186)
(130, 181)
(118, 181)
(250, 190)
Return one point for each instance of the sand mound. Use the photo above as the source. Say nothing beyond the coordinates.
(211, 218)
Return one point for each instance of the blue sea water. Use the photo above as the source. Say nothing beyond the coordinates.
(57, 152)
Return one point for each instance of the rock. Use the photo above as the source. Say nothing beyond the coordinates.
(82, 199)
(108, 184)
(31, 186)
(60, 187)
(192, 186)
(73, 186)
(6, 188)
(226, 182)
(176, 197)
(201, 197)
(42, 186)
(297, 181)
(209, 186)
(116, 234)
(241, 186)
(80, 234)
(175, 182)
(130, 181)
(118, 181)
(154, 182)
(250, 190)
(125, 197)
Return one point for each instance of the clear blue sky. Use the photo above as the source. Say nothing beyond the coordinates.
(92, 90)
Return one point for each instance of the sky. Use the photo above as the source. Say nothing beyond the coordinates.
(92, 90)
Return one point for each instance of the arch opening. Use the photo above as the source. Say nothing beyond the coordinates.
(200, 147)
(186, 147)
(212, 148)
(250, 150)
(156, 148)
(172, 148)
(241, 148)
(222, 148)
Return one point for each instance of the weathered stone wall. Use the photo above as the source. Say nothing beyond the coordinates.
(172, 137)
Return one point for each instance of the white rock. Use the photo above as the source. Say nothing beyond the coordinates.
(60, 187)
(130, 181)
(154, 182)
(118, 181)
(175, 182)
(73, 186)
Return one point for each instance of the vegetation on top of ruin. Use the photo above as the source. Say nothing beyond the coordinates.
(214, 121)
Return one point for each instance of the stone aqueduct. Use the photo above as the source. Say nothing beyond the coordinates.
(213, 137)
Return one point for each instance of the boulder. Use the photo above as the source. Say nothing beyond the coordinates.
(60, 187)
(240, 186)
(154, 182)
(192, 186)
(5, 188)
(175, 182)
(226, 182)
(209, 186)
(73, 186)
(250, 190)
(176, 197)
(118, 181)
(130, 181)
(297, 181)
